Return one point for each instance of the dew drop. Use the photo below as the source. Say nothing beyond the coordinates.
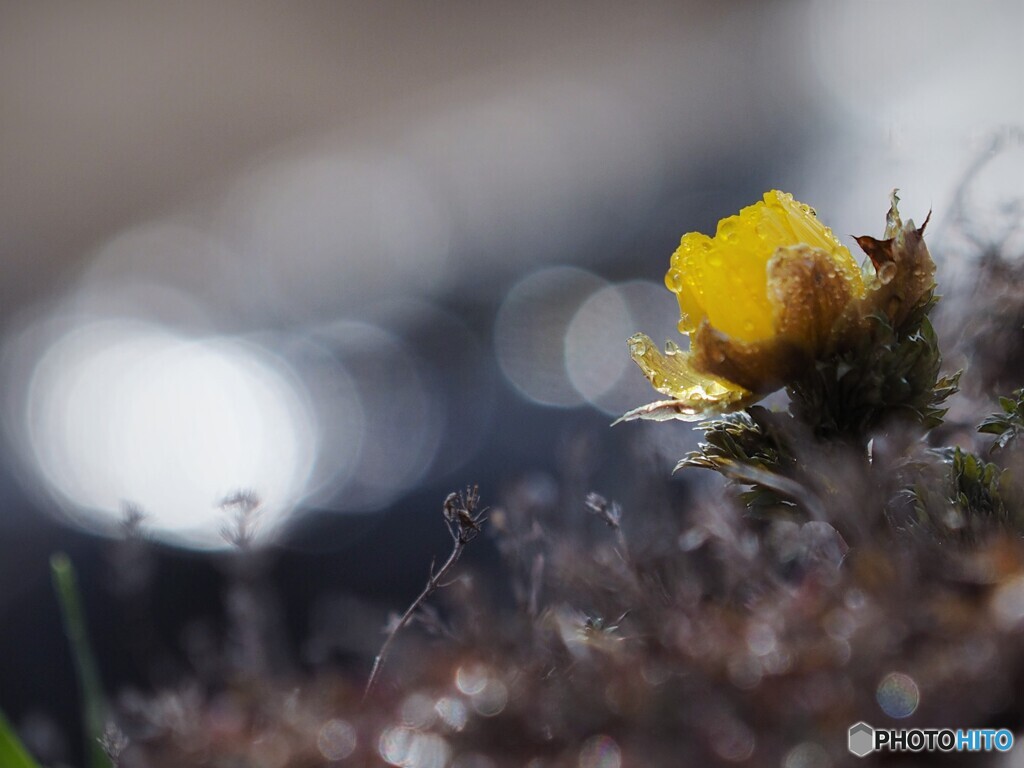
(887, 272)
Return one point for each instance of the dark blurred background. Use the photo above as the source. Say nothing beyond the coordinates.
(352, 256)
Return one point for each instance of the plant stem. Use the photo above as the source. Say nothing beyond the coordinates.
(463, 524)
(432, 584)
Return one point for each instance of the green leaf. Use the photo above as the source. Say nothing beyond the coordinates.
(1008, 425)
(94, 702)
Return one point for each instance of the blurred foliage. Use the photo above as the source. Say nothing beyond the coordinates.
(1006, 426)
(975, 484)
(94, 703)
(12, 753)
(962, 499)
(892, 372)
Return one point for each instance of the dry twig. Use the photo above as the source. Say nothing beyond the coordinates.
(463, 521)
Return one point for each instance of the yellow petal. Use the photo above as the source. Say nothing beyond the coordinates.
(807, 294)
(693, 394)
(724, 280)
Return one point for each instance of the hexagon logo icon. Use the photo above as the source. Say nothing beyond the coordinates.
(861, 739)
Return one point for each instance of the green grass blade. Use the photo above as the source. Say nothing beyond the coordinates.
(12, 753)
(94, 702)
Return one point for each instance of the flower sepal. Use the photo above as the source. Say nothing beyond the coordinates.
(903, 283)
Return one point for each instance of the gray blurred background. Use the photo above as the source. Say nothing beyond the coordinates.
(353, 255)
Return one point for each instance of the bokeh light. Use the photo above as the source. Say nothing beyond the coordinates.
(560, 337)
(595, 356)
(491, 699)
(530, 332)
(653, 310)
(117, 412)
(457, 369)
(471, 678)
(1008, 602)
(409, 748)
(898, 695)
(402, 419)
(417, 710)
(733, 741)
(453, 712)
(600, 752)
(195, 271)
(807, 755)
(336, 740)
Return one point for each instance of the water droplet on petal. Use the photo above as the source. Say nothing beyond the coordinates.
(887, 272)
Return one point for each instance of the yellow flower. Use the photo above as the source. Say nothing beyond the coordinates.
(769, 293)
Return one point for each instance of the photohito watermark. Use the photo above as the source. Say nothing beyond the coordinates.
(863, 739)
